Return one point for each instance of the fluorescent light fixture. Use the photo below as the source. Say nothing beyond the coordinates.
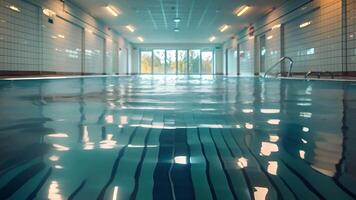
(224, 27)
(130, 28)
(177, 20)
(140, 39)
(48, 12)
(305, 24)
(61, 36)
(176, 30)
(240, 11)
(14, 8)
(112, 10)
(269, 37)
(212, 39)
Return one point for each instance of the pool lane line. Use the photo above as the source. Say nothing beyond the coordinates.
(116, 163)
(218, 151)
(207, 169)
(33, 195)
(245, 179)
(162, 188)
(144, 189)
(77, 190)
(181, 172)
(199, 177)
(139, 166)
(20, 179)
(280, 195)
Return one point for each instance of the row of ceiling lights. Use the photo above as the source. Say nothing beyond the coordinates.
(238, 12)
(115, 12)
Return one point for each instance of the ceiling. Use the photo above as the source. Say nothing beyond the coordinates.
(200, 19)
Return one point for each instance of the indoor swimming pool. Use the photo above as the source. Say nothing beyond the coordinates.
(171, 137)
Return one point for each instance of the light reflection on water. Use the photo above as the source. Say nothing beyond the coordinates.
(251, 125)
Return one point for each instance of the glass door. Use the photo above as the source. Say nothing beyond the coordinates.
(207, 62)
(159, 61)
(194, 62)
(146, 62)
(171, 62)
(182, 61)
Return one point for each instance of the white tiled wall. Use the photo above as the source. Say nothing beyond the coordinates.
(62, 46)
(28, 42)
(94, 53)
(19, 37)
(246, 57)
(351, 35)
(318, 45)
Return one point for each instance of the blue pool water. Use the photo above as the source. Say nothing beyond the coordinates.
(156, 137)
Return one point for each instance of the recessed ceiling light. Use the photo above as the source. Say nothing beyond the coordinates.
(130, 28)
(176, 30)
(212, 39)
(240, 11)
(224, 27)
(140, 39)
(112, 10)
(14, 8)
(177, 20)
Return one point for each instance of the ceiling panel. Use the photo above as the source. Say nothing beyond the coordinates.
(201, 19)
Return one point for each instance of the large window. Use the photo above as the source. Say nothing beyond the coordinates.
(207, 62)
(146, 62)
(191, 62)
(158, 61)
(182, 62)
(194, 62)
(171, 61)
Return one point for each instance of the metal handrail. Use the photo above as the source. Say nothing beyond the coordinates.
(279, 61)
(309, 73)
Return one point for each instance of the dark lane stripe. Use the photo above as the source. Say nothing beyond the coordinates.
(20, 179)
(39, 186)
(76, 191)
(207, 169)
(162, 186)
(139, 167)
(223, 166)
(114, 168)
(310, 186)
(181, 176)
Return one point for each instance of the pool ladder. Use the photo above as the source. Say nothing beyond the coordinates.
(319, 74)
(289, 74)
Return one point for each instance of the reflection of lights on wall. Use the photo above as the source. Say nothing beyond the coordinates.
(14, 8)
(48, 12)
(276, 26)
(242, 162)
(58, 167)
(304, 141)
(238, 126)
(249, 126)
(305, 129)
(305, 114)
(272, 167)
(260, 193)
(269, 37)
(267, 148)
(123, 120)
(180, 160)
(61, 36)
(108, 143)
